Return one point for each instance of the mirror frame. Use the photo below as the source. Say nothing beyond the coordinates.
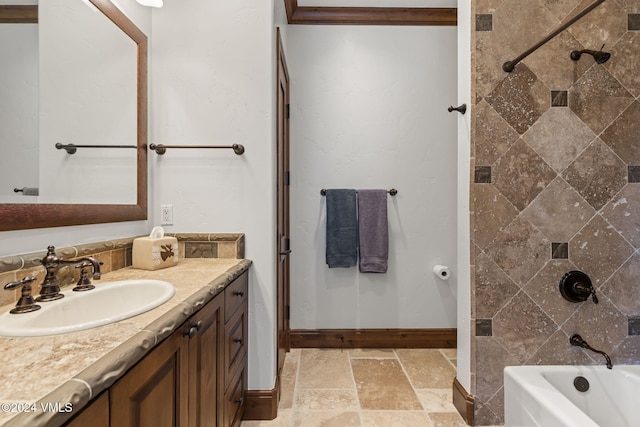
(18, 216)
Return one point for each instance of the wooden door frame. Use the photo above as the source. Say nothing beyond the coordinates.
(282, 113)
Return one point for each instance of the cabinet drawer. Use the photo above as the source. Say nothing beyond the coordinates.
(236, 344)
(235, 295)
(234, 400)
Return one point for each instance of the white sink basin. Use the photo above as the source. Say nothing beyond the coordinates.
(109, 302)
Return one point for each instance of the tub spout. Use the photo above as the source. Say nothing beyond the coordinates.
(578, 341)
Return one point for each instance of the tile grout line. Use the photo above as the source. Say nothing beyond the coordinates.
(355, 389)
(413, 387)
(294, 395)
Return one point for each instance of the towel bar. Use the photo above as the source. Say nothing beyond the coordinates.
(161, 148)
(392, 191)
(72, 148)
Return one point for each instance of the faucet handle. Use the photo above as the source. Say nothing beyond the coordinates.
(26, 303)
(576, 286)
(22, 282)
(84, 283)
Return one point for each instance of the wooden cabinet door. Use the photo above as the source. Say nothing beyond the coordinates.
(205, 365)
(94, 415)
(154, 392)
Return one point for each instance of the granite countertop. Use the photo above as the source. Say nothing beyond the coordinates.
(75, 367)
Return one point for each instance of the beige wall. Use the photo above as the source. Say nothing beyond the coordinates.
(556, 155)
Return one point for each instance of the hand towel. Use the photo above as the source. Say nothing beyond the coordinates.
(373, 231)
(342, 228)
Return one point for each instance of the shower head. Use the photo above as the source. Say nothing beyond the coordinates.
(599, 56)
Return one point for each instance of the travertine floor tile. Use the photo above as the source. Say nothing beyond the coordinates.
(449, 353)
(372, 353)
(288, 378)
(382, 384)
(284, 419)
(447, 419)
(427, 368)
(436, 400)
(326, 399)
(366, 388)
(326, 419)
(395, 419)
(324, 368)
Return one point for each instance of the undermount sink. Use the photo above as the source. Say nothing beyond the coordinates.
(109, 302)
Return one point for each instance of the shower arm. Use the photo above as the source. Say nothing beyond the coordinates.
(510, 65)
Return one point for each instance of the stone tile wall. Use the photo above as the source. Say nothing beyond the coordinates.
(556, 148)
(115, 254)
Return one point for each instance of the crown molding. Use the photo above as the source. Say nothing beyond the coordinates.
(424, 16)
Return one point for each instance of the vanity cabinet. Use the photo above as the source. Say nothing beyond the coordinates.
(235, 350)
(205, 365)
(95, 415)
(194, 378)
(154, 392)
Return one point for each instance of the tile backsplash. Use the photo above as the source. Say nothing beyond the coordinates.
(556, 153)
(115, 254)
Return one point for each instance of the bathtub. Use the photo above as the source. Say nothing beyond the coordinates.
(545, 396)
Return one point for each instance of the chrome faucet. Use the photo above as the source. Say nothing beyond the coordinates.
(50, 289)
(576, 340)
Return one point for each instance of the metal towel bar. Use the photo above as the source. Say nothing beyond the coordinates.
(391, 191)
(72, 148)
(161, 148)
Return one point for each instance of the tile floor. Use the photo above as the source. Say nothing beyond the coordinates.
(368, 388)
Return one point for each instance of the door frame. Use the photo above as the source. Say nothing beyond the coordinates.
(282, 206)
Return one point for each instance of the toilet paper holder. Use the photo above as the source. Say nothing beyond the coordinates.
(442, 271)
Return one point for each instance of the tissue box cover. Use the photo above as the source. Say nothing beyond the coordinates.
(153, 254)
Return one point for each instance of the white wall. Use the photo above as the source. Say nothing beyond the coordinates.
(212, 83)
(369, 110)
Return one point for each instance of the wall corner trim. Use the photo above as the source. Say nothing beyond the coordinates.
(463, 401)
(261, 404)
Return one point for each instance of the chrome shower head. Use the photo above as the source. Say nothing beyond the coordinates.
(599, 56)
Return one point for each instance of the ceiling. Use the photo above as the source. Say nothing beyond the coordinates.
(372, 12)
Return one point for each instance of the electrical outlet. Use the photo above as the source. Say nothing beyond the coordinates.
(166, 215)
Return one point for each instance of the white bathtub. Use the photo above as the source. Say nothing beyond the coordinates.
(545, 396)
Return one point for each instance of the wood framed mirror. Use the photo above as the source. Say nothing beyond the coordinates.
(22, 216)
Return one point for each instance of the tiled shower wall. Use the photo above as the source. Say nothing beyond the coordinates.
(556, 188)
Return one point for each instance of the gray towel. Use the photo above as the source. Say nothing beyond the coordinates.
(342, 228)
(374, 231)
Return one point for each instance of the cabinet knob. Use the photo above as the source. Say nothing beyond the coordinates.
(238, 340)
(191, 332)
(240, 401)
(239, 293)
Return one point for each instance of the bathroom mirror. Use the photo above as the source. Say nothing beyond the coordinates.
(92, 117)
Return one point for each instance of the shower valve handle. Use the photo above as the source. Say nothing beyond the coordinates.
(576, 286)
